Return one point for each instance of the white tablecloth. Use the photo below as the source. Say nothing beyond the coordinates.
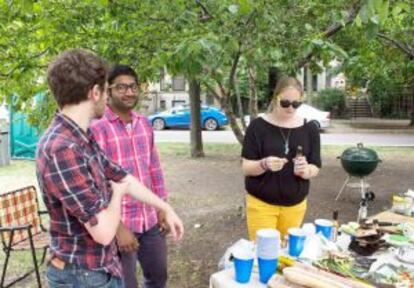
(225, 279)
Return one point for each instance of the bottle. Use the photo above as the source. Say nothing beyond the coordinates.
(299, 153)
(363, 210)
(335, 228)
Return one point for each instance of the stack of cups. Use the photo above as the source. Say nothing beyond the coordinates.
(268, 242)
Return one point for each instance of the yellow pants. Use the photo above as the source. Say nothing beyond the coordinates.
(261, 215)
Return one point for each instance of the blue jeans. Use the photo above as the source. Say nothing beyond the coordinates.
(73, 276)
(152, 256)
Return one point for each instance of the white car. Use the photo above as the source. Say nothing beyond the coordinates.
(308, 112)
(312, 113)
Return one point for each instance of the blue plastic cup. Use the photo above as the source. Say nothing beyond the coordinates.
(243, 265)
(267, 267)
(325, 227)
(297, 239)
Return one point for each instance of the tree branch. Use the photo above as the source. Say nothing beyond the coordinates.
(333, 29)
(404, 47)
(234, 68)
(212, 90)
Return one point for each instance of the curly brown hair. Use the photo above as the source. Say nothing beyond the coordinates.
(73, 73)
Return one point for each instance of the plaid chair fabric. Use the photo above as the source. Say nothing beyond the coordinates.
(21, 228)
(19, 208)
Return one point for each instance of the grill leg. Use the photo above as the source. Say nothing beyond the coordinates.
(342, 188)
(362, 188)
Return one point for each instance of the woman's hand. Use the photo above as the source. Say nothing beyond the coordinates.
(274, 163)
(301, 167)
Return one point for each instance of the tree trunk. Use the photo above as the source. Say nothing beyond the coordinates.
(232, 119)
(222, 96)
(195, 131)
(273, 77)
(309, 86)
(253, 108)
(239, 102)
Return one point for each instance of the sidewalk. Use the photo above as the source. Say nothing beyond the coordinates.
(370, 125)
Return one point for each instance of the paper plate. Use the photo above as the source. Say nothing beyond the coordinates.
(406, 254)
(396, 240)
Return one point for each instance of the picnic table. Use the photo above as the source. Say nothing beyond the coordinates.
(225, 278)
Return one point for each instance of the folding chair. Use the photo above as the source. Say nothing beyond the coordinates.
(21, 229)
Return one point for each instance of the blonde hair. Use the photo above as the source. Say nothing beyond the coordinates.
(287, 82)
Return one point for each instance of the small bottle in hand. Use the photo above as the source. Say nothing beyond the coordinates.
(299, 153)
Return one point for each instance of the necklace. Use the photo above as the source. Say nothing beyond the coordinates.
(285, 140)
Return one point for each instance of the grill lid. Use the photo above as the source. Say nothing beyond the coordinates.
(360, 154)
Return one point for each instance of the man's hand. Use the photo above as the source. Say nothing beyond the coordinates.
(120, 187)
(127, 242)
(162, 223)
(171, 223)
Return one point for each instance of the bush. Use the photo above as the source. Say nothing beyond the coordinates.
(385, 93)
(333, 100)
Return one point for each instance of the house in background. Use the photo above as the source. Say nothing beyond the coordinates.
(169, 92)
(173, 91)
(327, 78)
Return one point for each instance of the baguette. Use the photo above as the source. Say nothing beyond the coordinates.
(350, 282)
(309, 279)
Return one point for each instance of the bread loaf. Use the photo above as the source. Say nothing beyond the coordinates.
(309, 279)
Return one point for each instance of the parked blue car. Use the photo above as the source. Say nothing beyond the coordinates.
(212, 118)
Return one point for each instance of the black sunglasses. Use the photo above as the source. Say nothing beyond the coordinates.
(287, 103)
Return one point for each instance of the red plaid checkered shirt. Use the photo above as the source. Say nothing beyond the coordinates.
(73, 175)
(132, 146)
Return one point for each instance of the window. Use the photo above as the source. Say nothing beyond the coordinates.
(176, 103)
(178, 83)
(315, 82)
(163, 105)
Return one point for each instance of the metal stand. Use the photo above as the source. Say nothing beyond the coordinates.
(364, 194)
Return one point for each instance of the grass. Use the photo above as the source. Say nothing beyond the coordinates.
(18, 168)
(183, 149)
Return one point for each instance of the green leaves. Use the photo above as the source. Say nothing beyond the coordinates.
(200, 39)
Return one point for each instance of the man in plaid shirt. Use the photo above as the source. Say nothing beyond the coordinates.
(82, 188)
(127, 138)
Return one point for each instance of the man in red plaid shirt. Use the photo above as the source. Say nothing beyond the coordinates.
(82, 188)
(127, 138)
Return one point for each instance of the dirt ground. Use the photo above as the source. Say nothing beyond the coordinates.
(208, 194)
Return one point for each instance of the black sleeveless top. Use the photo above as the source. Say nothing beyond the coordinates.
(264, 139)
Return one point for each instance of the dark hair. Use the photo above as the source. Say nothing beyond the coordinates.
(73, 73)
(287, 82)
(119, 70)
